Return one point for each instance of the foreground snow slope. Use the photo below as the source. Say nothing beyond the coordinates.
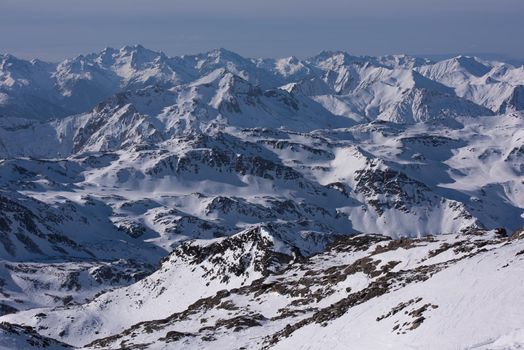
(442, 292)
(193, 271)
(474, 304)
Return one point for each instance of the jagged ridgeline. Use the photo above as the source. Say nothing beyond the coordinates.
(216, 201)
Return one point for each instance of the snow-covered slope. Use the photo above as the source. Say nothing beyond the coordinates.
(495, 85)
(385, 89)
(19, 337)
(366, 290)
(168, 187)
(193, 271)
(449, 306)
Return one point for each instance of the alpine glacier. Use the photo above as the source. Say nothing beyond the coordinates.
(212, 201)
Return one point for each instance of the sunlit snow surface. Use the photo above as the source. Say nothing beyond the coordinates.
(235, 176)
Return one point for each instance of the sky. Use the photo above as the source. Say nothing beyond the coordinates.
(57, 29)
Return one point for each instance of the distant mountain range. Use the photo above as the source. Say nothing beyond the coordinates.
(395, 88)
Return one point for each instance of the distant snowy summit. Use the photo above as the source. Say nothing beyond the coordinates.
(396, 88)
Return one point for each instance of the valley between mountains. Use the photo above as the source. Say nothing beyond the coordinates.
(213, 201)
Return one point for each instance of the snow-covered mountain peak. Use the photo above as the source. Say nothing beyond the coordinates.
(408, 79)
(404, 61)
(135, 49)
(456, 69)
(137, 57)
(224, 55)
(222, 58)
(15, 71)
(334, 60)
(473, 65)
(291, 66)
(9, 61)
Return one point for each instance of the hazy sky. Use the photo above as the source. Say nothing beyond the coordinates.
(55, 29)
